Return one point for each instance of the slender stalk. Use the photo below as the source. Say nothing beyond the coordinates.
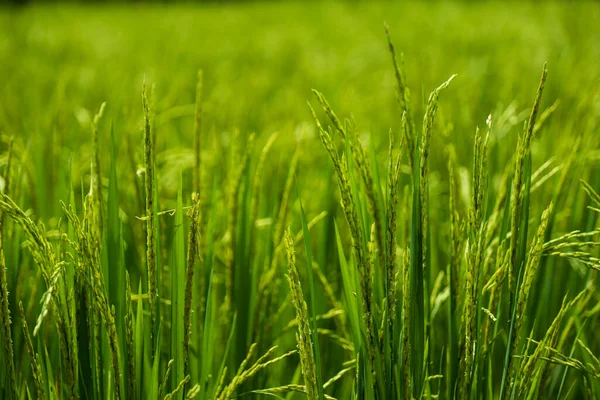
(150, 222)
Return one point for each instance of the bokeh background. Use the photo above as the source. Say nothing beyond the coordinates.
(261, 59)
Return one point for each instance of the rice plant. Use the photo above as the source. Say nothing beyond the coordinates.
(344, 250)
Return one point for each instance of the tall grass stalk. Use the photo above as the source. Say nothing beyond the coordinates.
(149, 181)
(304, 335)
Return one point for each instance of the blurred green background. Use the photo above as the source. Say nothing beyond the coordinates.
(260, 60)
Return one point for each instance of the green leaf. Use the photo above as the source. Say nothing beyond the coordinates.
(113, 243)
(311, 289)
(417, 311)
(349, 285)
(177, 295)
(139, 344)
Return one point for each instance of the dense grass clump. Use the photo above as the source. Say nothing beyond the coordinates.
(175, 247)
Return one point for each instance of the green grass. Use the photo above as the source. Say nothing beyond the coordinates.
(396, 238)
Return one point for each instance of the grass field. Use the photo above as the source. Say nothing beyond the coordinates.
(177, 222)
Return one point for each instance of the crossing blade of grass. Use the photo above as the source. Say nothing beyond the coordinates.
(311, 289)
(566, 370)
(350, 286)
